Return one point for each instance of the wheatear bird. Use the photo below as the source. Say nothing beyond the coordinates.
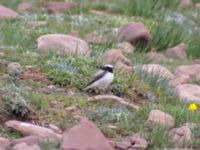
(103, 78)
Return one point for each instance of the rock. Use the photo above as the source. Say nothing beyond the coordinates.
(25, 6)
(36, 23)
(28, 129)
(24, 146)
(126, 47)
(123, 67)
(190, 70)
(136, 34)
(14, 65)
(190, 125)
(197, 5)
(73, 110)
(14, 69)
(58, 7)
(178, 52)
(155, 57)
(161, 119)
(4, 143)
(85, 135)
(189, 93)
(30, 140)
(155, 69)
(185, 3)
(74, 33)
(63, 44)
(55, 129)
(2, 54)
(113, 56)
(7, 13)
(181, 136)
(114, 100)
(123, 145)
(197, 61)
(138, 143)
(94, 38)
(179, 80)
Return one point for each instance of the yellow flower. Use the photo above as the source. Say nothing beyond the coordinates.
(193, 107)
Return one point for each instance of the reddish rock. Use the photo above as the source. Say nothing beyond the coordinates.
(138, 143)
(189, 93)
(155, 69)
(126, 47)
(186, 3)
(197, 5)
(2, 54)
(28, 129)
(14, 65)
(94, 38)
(136, 34)
(114, 100)
(74, 33)
(58, 7)
(197, 61)
(123, 145)
(55, 129)
(113, 56)
(161, 119)
(181, 136)
(63, 44)
(4, 143)
(190, 70)
(25, 6)
(180, 80)
(30, 140)
(7, 13)
(123, 67)
(85, 135)
(24, 146)
(155, 57)
(178, 52)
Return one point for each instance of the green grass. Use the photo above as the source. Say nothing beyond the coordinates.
(71, 73)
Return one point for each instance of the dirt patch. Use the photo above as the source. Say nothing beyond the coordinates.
(35, 75)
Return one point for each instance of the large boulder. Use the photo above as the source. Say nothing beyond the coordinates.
(189, 93)
(177, 52)
(191, 70)
(155, 69)
(28, 129)
(161, 119)
(85, 135)
(136, 34)
(63, 44)
(7, 13)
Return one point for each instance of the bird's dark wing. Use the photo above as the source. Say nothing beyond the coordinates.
(96, 78)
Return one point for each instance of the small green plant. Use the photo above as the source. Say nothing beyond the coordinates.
(15, 99)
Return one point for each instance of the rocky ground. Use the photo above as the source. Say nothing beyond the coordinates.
(49, 50)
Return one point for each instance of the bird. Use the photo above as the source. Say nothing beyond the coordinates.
(103, 78)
